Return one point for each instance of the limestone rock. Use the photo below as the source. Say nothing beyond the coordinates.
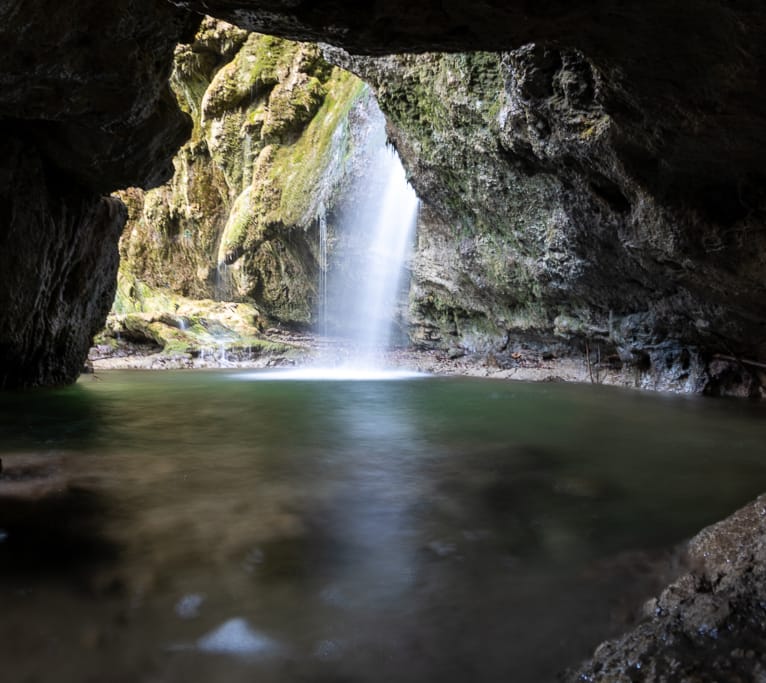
(268, 154)
(541, 225)
(58, 260)
(709, 625)
(85, 109)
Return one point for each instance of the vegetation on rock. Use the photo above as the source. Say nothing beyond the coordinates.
(267, 155)
(540, 230)
(181, 329)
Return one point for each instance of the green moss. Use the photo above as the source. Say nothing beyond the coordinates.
(190, 79)
(242, 219)
(260, 65)
(258, 346)
(291, 106)
(300, 167)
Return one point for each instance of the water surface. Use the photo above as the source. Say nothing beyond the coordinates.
(197, 526)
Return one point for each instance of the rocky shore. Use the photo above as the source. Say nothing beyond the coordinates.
(275, 347)
(708, 625)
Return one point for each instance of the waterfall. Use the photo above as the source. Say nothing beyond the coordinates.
(362, 286)
(220, 288)
(365, 243)
(367, 291)
(323, 265)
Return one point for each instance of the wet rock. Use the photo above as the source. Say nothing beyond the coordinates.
(279, 134)
(702, 626)
(563, 238)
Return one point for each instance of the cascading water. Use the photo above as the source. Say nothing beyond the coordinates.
(323, 265)
(366, 290)
(365, 242)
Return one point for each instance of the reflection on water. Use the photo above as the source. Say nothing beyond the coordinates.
(197, 527)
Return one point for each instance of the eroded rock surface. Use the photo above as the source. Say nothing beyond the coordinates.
(548, 224)
(58, 268)
(85, 109)
(89, 81)
(709, 625)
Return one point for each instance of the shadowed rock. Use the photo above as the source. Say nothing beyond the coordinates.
(710, 624)
(85, 109)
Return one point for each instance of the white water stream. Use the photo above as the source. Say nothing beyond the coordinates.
(367, 291)
(364, 250)
(361, 294)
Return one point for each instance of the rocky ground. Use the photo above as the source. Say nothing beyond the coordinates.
(277, 349)
(289, 348)
(146, 346)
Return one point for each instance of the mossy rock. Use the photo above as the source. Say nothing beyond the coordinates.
(239, 218)
(257, 67)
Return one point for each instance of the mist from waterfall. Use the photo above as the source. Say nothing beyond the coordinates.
(367, 288)
(365, 244)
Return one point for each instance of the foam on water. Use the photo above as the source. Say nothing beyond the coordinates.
(330, 374)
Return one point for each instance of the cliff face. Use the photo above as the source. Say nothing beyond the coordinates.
(644, 125)
(547, 227)
(58, 266)
(269, 154)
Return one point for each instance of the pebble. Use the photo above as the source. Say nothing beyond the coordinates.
(236, 637)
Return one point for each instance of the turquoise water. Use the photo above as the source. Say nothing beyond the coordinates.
(198, 526)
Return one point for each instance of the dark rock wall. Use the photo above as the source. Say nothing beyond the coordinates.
(90, 82)
(58, 260)
(84, 109)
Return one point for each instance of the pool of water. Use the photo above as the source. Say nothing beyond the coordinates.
(198, 526)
